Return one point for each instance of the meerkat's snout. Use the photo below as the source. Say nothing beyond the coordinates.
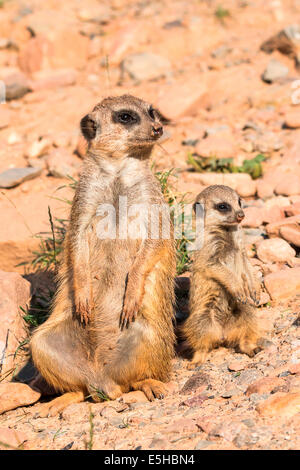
(157, 131)
(240, 215)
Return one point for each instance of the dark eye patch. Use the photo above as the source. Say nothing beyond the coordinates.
(223, 207)
(240, 202)
(126, 117)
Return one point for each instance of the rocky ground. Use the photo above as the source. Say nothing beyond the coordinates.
(226, 75)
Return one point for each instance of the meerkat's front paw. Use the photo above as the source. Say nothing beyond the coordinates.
(131, 307)
(252, 293)
(83, 307)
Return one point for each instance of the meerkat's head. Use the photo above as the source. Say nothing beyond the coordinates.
(222, 206)
(122, 125)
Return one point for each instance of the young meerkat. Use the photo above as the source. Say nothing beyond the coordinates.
(223, 286)
(111, 327)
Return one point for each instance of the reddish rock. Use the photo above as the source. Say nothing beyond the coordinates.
(292, 119)
(14, 293)
(195, 401)
(254, 217)
(181, 426)
(275, 250)
(284, 405)
(134, 397)
(35, 55)
(264, 189)
(247, 189)
(55, 48)
(292, 210)
(215, 145)
(13, 395)
(236, 366)
(274, 228)
(273, 214)
(283, 284)
(182, 98)
(265, 385)
(289, 185)
(291, 233)
(11, 439)
(62, 163)
(206, 423)
(45, 80)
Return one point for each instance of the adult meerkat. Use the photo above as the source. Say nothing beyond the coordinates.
(111, 328)
(223, 287)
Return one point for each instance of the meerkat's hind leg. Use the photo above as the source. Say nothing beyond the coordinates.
(151, 388)
(56, 406)
(243, 332)
(207, 334)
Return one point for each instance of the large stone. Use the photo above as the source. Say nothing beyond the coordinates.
(45, 80)
(289, 186)
(14, 295)
(221, 145)
(15, 176)
(283, 284)
(182, 98)
(62, 163)
(13, 395)
(275, 71)
(145, 66)
(284, 405)
(16, 86)
(265, 385)
(291, 233)
(275, 250)
(292, 119)
(274, 228)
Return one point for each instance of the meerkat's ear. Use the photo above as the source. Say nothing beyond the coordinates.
(89, 126)
(199, 202)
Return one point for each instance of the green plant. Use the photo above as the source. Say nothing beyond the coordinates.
(177, 201)
(225, 165)
(90, 443)
(221, 13)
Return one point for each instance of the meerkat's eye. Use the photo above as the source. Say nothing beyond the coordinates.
(240, 202)
(151, 113)
(126, 117)
(223, 207)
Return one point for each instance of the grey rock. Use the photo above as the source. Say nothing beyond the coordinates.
(145, 66)
(16, 86)
(15, 176)
(256, 397)
(202, 445)
(274, 71)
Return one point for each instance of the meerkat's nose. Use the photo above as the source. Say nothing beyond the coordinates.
(157, 131)
(240, 215)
